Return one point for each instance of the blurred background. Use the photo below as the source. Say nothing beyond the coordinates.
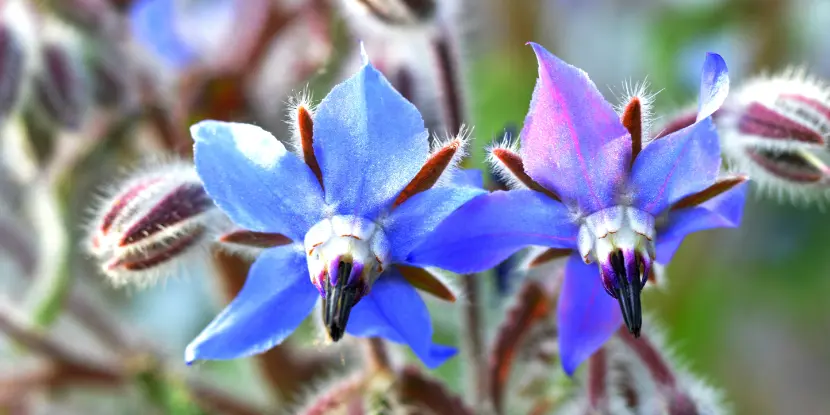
(91, 89)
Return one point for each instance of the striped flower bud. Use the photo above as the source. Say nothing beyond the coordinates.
(157, 220)
(777, 130)
(400, 13)
(60, 89)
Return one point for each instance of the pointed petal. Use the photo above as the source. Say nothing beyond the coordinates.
(587, 316)
(394, 310)
(714, 85)
(722, 211)
(676, 166)
(412, 221)
(491, 227)
(254, 180)
(276, 298)
(573, 141)
(370, 142)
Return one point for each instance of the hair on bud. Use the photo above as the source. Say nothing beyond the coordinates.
(157, 219)
(645, 373)
(777, 130)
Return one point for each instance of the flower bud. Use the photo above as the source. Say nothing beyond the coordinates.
(396, 12)
(154, 221)
(777, 130)
(59, 86)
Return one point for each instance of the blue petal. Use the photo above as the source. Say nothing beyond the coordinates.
(573, 141)
(254, 180)
(276, 298)
(723, 211)
(491, 227)
(394, 310)
(467, 177)
(586, 315)
(153, 24)
(370, 142)
(675, 166)
(412, 221)
(714, 85)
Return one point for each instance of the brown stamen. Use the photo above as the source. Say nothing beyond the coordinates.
(632, 119)
(549, 255)
(514, 163)
(709, 193)
(306, 128)
(430, 172)
(425, 281)
(255, 239)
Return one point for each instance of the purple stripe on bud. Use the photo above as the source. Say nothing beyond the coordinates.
(788, 166)
(157, 253)
(183, 203)
(122, 201)
(59, 88)
(758, 120)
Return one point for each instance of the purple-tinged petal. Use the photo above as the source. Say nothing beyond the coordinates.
(370, 142)
(676, 166)
(394, 310)
(586, 315)
(249, 174)
(412, 221)
(489, 228)
(573, 141)
(276, 298)
(723, 211)
(714, 85)
(153, 24)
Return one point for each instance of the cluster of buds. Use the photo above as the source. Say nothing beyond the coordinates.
(640, 376)
(777, 130)
(155, 222)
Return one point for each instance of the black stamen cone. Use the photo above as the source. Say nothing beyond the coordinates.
(628, 293)
(338, 302)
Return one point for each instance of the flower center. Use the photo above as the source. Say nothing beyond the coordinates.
(345, 255)
(620, 240)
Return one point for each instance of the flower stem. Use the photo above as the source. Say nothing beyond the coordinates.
(450, 84)
(474, 340)
(651, 358)
(377, 357)
(597, 369)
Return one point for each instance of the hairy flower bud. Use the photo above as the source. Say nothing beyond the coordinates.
(777, 130)
(60, 84)
(153, 222)
(396, 12)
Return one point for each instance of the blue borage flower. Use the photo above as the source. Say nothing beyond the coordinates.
(595, 193)
(363, 190)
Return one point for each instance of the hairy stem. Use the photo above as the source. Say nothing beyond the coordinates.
(377, 357)
(473, 340)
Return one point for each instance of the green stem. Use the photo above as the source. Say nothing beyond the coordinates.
(53, 277)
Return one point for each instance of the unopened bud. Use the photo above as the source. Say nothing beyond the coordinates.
(112, 79)
(777, 130)
(59, 86)
(644, 374)
(154, 221)
(396, 12)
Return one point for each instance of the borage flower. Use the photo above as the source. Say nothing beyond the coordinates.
(596, 194)
(362, 192)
